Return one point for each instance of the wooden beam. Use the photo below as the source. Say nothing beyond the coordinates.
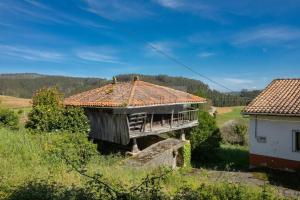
(151, 122)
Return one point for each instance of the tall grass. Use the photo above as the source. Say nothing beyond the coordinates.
(25, 157)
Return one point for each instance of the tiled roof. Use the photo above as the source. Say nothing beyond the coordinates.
(132, 94)
(281, 97)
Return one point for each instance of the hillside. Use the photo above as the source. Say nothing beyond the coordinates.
(24, 85)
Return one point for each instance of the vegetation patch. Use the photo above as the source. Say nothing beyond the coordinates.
(235, 114)
(48, 114)
(205, 138)
(187, 154)
(8, 118)
(235, 132)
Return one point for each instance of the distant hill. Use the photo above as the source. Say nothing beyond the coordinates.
(25, 84)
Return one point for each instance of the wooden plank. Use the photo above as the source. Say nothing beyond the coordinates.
(151, 122)
(163, 130)
(136, 122)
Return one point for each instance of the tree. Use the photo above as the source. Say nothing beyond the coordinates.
(48, 113)
(205, 138)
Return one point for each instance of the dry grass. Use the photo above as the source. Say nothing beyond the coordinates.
(14, 102)
(222, 110)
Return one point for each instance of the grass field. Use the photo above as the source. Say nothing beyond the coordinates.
(14, 102)
(229, 113)
(27, 157)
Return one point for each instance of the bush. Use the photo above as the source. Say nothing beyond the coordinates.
(235, 132)
(75, 148)
(205, 138)
(49, 114)
(8, 118)
(45, 118)
(75, 120)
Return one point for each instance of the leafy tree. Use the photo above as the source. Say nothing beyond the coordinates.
(49, 97)
(205, 138)
(49, 114)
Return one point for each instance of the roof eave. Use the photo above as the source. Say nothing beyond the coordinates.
(130, 107)
(271, 114)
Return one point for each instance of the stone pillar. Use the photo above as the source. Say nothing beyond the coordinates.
(175, 154)
(135, 148)
(182, 135)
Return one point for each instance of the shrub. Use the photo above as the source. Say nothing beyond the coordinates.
(75, 120)
(8, 118)
(50, 97)
(205, 138)
(75, 148)
(48, 114)
(45, 118)
(235, 132)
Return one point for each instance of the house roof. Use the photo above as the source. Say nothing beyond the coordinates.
(132, 94)
(281, 97)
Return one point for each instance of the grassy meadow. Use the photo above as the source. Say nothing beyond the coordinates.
(226, 114)
(26, 157)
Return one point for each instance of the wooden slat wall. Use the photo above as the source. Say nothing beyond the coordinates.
(108, 127)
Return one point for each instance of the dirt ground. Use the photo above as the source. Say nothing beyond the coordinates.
(14, 102)
(222, 110)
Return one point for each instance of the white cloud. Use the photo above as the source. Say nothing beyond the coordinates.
(201, 8)
(39, 12)
(163, 46)
(30, 53)
(98, 54)
(238, 81)
(267, 35)
(174, 4)
(117, 9)
(206, 54)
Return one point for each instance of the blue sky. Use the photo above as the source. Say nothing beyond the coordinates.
(239, 43)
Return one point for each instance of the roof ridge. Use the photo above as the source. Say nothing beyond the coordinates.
(282, 79)
(168, 88)
(132, 92)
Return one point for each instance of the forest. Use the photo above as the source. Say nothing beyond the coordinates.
(23, 85)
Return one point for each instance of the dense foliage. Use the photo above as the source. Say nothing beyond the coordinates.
(48, 113)
(205, 138)
(8, 118)
(24, 85)
(235, 132)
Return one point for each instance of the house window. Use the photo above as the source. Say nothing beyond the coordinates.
(261, 139)
(297, 140)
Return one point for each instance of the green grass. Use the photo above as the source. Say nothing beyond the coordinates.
(229, 158)
(25, 157)
(235, 114)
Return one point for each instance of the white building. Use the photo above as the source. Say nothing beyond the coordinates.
(275, 126)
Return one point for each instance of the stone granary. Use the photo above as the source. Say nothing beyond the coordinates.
(121, 112)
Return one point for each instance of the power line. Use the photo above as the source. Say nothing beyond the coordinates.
(187, 67)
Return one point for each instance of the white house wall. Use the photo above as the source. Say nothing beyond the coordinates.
(279, 136)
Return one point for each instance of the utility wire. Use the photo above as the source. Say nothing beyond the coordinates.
(187, 67)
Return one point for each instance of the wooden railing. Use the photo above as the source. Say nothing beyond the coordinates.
(185, 117)
(137, 122)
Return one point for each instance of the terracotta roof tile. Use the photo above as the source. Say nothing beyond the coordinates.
(132, 94)
(281, 97)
